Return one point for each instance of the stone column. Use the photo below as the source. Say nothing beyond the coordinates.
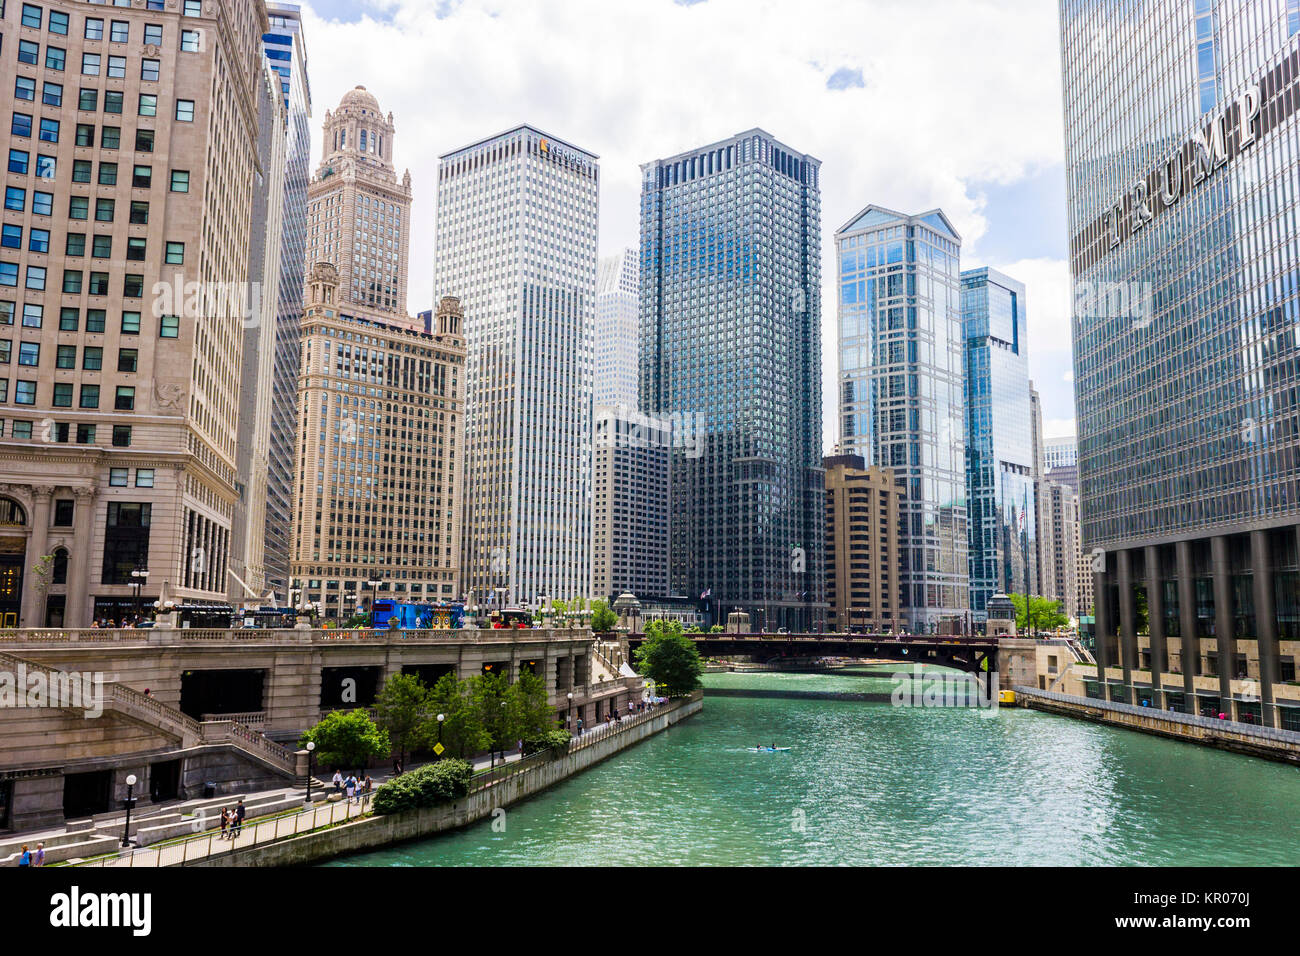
(33, 603)
(1101, 628)
(1156, 624)
(79, 613)
(1187, 622)
(1265, 624)
(1127, 621)
(1227, 646)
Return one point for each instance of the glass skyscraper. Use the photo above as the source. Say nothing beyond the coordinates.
(617, 311)
(1184, 193)
(1000, 503)
(517, 216)
(730, 350)
(900, 384)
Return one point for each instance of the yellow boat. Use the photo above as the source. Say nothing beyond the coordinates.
(1006, 697)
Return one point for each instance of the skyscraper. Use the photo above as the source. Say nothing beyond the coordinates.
(358, 213)
(124, 290)
(516, 242)
(1000, 446)
(861, 546)
(630, 508)
(287, 53)
(617, 306)
(901, 401)
(1181, 172)
(730, 349)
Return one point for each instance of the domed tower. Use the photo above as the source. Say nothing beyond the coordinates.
(358, 210)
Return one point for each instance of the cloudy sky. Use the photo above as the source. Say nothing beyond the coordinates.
(910, 104)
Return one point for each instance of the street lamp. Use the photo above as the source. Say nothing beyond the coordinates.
(311, 745)
(126, 828)
(138, 578)
(441, 718)
(570, 711)
(373, 584)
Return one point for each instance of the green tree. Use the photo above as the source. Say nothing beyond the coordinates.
(402, 710)
(348, 738)
(1037, 613)
(461, 732)
(603, 618)
(529, 709)
(669, 658)
(490, 696)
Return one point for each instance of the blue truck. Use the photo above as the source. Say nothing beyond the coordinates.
(395, 614)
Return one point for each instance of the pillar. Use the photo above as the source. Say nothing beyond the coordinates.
(1265, 624)
(33, 603)
(1187, 622)
(1226, 645)
(1127, 629)
(79, 613)
(1101, 627)
(1156, 624)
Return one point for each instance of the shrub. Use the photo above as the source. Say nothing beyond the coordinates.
(429, 786)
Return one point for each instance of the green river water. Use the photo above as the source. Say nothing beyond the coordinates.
(872, 784)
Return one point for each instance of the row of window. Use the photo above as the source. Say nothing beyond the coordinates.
(87, 99)
(21, 125)
(92, 64)
(63, 433)
(96, 319)
(92, 356)
(25, 394)
(119, 31)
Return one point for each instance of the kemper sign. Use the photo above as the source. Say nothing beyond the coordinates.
(564, 157)
(1209, 150)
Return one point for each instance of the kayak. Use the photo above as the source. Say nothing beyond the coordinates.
(768, 750)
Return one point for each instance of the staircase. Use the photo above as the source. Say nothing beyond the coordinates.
(149, 712)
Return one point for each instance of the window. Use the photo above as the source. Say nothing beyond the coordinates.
(117, 67)
(11, 237)
(32, 16)
(108, 174)
(148, 104)
(95, 318)
(144, 141)
(121, 436)
(89, 396)
(15, 198)
(6, 350)
(92, 358)
(98, 285)
(69, 319)
(125, 399)
(21, 125)
(175, 253)
(66, 357)
(25, 394)
(8, 273)
(144, 477)
(59, 432)
(135, 249)
(126, 538)
(139, 213)
(22, 429)
(112, 101)
(142, 177)
(104, 210)
(6, 313)
(78, 207)
(58, 23)
(42, 203)
(29, 353)
(102, 247)
(110, 137)
(90, 64)
(184, 111)
(36, 278)
(149, 70)
(85, 134)
(29, 52)
(45, 166)
(180, 180)
(49, 131)
(81, 170)
(52, 94)
(87, 100)
(94, 28)
(55, 58)
(170, 327)
(72, 281)
(32, 315)
(24, 88)
(130, 323)
(190, 41)
(133, 288)
(193, 8)
(18, 160)
(62, 394)
(119, 31)
(127, 359)
(39, 240)
(153, 34)
(63, 513)
(85, 434)
(117, 478)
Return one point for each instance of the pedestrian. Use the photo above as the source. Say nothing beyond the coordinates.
(240, 813)
(338, 782)
(367, 786)
(351, 787)
(25, 859)
(40, 855)
(521, 750)
(579, 726)
(225, 821)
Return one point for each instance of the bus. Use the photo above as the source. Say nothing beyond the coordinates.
(511, 617)
(386, 612)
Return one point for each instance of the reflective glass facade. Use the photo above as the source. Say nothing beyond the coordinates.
(901, 403)
(1003, 531)
(731, 346)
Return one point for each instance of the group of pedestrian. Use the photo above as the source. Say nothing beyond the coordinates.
(29, 858)
(130, 621)
(232, 820)
(356, 786)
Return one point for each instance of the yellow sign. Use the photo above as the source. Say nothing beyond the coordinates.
(438, 749)
(543, 145)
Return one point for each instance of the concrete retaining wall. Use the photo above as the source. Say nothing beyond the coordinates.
(378, 831)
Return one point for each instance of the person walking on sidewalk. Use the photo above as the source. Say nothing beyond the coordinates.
(240, 812)
(338, 782)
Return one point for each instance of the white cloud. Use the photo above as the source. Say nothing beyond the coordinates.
(955, 92)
